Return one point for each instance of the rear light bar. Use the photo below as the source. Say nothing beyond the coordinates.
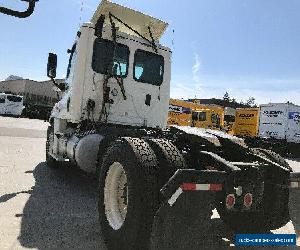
(295, 184)
(193, 187)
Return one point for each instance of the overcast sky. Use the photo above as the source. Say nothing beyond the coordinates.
(245, 47)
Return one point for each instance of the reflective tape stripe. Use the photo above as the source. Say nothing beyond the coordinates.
(193, 187)
(201, 187)
(295, 184)
(175, 196)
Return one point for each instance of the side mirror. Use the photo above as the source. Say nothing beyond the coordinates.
(52, 65)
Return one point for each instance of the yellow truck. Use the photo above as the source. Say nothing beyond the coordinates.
(246, 122)
(185, 113)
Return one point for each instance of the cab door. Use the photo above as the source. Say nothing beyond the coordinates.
(215, 120)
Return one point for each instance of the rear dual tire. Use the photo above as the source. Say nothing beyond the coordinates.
(134, 158)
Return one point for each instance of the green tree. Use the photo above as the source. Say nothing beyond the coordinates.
(251, 102)
(226, 97)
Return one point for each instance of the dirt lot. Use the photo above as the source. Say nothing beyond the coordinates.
(45, 208)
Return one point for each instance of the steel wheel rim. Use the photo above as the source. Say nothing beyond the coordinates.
(116, 195)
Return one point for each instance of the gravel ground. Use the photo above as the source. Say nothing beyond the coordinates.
(45, 208)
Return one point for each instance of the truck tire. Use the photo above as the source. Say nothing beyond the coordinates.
(128, 194)
(51, 162)
(274, 157)
(169, 159)
(192, 209)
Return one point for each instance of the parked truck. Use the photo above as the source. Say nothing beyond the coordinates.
(184, 113)
(111, 122)
(246, 122)
(11, 105)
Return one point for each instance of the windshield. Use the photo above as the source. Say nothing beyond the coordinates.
(103, 55)
(148, 67)
(199, 116)
(13, 98)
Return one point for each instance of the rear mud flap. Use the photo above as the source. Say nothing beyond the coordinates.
(294, 206)
(184, 224)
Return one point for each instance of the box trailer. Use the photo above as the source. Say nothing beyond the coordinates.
(280, 121)
(246, 122)
(278, 129)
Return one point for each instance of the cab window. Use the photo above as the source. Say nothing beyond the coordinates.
(148, 67)
(199, 116)
(2, 99)
(195, 116)
(105, 59)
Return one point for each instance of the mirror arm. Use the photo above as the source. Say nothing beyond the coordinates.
(20, 14)
(60, 86)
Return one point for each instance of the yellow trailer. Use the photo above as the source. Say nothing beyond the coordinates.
(185, 113)
(246, 122)
(180, 113)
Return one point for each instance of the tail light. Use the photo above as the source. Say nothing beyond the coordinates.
(248, 200)
(230, 201)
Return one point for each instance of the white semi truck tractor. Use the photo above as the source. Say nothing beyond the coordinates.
(111, 122)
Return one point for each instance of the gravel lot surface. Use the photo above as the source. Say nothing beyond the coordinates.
(44, 208)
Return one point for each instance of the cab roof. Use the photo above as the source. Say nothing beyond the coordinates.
(135, 19)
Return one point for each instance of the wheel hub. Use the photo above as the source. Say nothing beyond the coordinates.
(116, 195)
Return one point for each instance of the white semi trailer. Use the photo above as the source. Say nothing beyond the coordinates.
(280, 121)
(111, 121)
(279, 128)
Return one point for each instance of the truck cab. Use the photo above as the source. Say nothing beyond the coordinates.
(118, 76)
(145, 74)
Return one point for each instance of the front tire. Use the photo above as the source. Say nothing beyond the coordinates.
(127, 181)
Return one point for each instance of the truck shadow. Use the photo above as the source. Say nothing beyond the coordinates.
(61, 212)
(294, 208)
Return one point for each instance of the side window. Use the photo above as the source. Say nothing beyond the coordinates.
(148, 67)
(2, 99)
(13, 98)
(105, 60)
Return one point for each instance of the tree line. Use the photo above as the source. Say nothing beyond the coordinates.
(249, 102)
